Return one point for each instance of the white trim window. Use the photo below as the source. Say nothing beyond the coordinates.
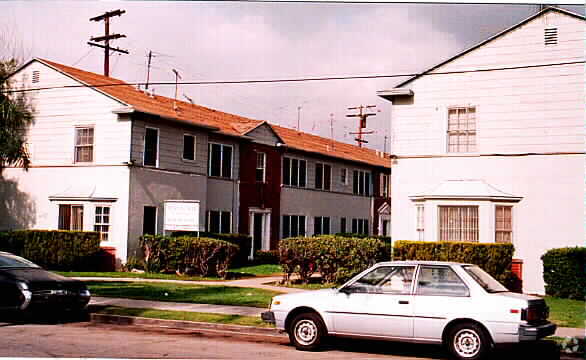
(261, 167)
(360, 226)
(323, 176)
(321, 225)
(361, 184)
(70, 217)
(461, 129)
(220, 163)
(151, 147)
(458, 223)
(293, 225)
(102, 221)
(189, 145)
(503, 224)
(294, 172)
(385, 185)
(420, 226)
(344, 176)
(219, 222)
(84, 144)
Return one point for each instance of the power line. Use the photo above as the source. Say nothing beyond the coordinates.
(305, 79)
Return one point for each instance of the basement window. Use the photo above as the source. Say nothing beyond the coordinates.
(550, 36)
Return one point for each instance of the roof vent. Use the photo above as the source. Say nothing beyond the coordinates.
(551, 36)
(36, 76)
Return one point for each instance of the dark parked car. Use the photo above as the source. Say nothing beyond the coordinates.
(27, 287)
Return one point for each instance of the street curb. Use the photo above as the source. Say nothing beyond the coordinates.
(185, 325)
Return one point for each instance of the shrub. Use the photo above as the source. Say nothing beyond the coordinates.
(494, 258)
(243, 242)
(563, 272)
(54, 249)
(337, 258)
(262, 257)
(187, 254)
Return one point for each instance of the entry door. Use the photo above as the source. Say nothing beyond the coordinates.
(378, 304)
(257, 232)
(149, 222)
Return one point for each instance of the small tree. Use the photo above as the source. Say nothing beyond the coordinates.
(16, 115)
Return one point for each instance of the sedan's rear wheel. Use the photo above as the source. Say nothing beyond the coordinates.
(468, 341)
(306, 331)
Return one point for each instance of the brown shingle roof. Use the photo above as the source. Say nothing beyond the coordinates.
(226, 123)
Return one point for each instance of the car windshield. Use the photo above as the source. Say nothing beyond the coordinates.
(13, 261)
(484, 279)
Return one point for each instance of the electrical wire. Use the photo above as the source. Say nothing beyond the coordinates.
(304, 79)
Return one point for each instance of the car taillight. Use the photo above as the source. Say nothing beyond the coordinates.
(530, 315)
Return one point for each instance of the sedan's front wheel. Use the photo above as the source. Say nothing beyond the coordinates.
(468, 341)
(306, 331)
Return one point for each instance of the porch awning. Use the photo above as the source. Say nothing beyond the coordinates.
(465, 190)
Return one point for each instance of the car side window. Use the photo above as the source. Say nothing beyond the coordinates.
(385, 280)
(440, 280)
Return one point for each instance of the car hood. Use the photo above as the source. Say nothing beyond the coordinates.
(313, 295)
(40, 279)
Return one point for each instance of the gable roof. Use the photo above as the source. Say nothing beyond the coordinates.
(546, 10)
(214, 120)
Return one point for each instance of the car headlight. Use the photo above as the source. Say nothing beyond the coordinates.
(27, 295)
(22, 286)
(85, 293)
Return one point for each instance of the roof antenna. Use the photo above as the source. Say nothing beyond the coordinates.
(177, 78)
(188, 99)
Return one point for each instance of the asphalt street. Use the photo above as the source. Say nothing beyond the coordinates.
(84, 339)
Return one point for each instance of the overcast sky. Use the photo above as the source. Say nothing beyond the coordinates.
(253, 40)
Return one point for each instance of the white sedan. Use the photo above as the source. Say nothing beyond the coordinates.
(458, 305)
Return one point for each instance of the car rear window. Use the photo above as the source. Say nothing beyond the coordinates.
(13, 261)
(484, 279)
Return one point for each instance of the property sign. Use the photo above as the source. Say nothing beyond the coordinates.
(182, 215)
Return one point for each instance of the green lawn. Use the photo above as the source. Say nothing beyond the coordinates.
(258, 270)
(197, 294)
(566, 312)
(186, 316)
(120, 274)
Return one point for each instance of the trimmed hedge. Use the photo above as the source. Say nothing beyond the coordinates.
(493, 258)
(243, 242)
(187, 254)
(337, 258)
(563, 272)
(262, 257)
(54, 249)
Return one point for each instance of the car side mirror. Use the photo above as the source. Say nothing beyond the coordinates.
(346, 290)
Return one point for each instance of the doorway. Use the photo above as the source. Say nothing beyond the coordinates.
(260, 220)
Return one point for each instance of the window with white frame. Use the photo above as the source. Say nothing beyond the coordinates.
(151, 147)
(102, 222)
(84, 144)
(343, 225)
(70, 217)
(294, 172)
(323, 176)
(385, 185)
(188, 147)
(458, 223)
(462, 129)
(261, 166)
(360, 226)
(293, 225)
(503, 224)
(344, 176)
(420, 227)
(219, 222)
(361, 183)
(220, 156)
(321, 225)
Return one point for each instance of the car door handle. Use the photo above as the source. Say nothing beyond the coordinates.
(403, 302)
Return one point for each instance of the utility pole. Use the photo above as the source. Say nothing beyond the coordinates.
(385, 145)
(362, 115)
(107, 37)
(148, 70)
(332, 129)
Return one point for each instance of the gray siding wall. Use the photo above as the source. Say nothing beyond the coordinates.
(264, 135)
(322, 203)
(337, 166)
(150, 187)
(170, 146)
(223, 195)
